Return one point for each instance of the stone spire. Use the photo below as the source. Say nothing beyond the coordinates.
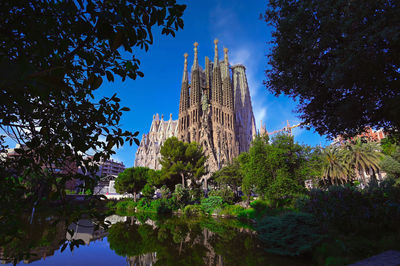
(196, 59)
(216, 82)
(227, 86)
(195, 84)
(185, 69)
(184, 101)
(226, 56)
(215, 52)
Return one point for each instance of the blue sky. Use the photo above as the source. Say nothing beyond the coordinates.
(237, 25)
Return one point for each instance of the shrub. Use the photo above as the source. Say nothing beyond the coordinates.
(195, 194)
(232, 210)
(193, 210)
(121, 205)
(290, 234)
(148, 191)
(350, 209)
(211, 203)
(247, 214)
(165, 192)
(111, 205)
(259, 205)
(283, 192)
(226, 194)
(131, 205)
(181, 195)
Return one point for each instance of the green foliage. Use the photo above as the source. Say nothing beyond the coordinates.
(159, 206)
(277, 170)
(165, 192)
(121, 206)
(391, 167)
(291, 234)
(193, 210)
(284, 191)
(181, 161)
(259, 205)
(336, 59)
(50, 71)
(132, 180)
(226, 194)
(148, 191)
(349, 209)
(211, 203)
(111, 205)
(229, 176)
(231, 210)
(195, 194)
(181, 195)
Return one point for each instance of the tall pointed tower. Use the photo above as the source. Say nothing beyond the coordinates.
(207, 113)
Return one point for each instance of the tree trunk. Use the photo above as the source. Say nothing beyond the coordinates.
(183, 180)
(134, 196)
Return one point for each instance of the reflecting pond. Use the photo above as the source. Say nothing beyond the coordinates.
(136, 240)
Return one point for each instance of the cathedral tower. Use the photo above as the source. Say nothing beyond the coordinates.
(214, 110)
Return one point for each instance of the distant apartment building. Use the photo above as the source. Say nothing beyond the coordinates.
(369, 134)
(110, 167)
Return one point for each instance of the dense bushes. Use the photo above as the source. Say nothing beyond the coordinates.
(290, 234)
(226, 194)
(193, 210)
(211, 203)
(159, 206)
(350, 209)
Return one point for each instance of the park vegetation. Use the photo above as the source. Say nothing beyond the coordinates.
(266, 187)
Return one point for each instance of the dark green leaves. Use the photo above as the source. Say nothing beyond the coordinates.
(340, 60)
(55, 54)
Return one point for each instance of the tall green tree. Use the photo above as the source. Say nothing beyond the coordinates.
(276, 170)
(335, 169)
(54, 55)
(340, 60)
(229, 176)
(132, 180)
(363, 157)
(180, 162)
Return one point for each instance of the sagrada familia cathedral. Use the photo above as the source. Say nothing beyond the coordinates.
(214, 110)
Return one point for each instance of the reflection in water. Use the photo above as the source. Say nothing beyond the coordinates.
(143, 241)
(179, 241)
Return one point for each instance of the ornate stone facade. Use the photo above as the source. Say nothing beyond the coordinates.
(148, 153)
(214, 110)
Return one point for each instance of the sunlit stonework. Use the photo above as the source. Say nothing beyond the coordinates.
(214, 110)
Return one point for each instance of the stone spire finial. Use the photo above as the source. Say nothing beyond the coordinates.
(196, 61)
(162, 116)
(170, 116)
(154, 117)
(185, 69)
(226, 56)
(216, 51)
(186, 62)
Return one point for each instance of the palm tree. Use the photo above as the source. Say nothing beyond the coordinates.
(362, 157)
(334, 168)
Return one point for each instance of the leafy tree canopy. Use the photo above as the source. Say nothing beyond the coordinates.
(132, 180)
(230, 175)
(269, 165)
(55, 54)
(340, 60)
(181, 161)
